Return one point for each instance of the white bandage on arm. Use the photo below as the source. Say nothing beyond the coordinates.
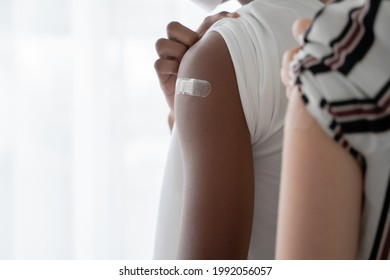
(193, 87)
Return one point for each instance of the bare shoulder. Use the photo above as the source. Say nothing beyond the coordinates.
(209, 61)
(207, 55)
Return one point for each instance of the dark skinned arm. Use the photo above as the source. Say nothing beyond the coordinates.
(218, 166)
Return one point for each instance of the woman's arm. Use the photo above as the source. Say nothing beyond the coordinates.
(321, 192)
(218, 185)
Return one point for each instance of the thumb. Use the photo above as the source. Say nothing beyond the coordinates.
(210, 20)
(299, 28)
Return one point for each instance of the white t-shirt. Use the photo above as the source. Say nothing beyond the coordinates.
(256, 42)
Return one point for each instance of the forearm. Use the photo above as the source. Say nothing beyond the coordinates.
(217, 214)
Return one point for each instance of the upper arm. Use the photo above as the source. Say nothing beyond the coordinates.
(217, 156)
(321, 192)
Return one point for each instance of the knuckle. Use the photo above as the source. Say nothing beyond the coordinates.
(159, 44)
(222, 14)
(157, 64)
(192, 40)
(172, 26)
(208, 19)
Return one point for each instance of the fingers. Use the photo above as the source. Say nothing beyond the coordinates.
(285, 71)
(169, 92)
(290, 91)
(179, 33)
(299, 28)
(170, 49)
(210, 20)
(165, 68)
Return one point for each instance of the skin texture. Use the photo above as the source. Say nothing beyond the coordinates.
(321, 187)
(218, 171)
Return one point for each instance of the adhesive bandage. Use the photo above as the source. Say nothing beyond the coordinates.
(193, 87)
